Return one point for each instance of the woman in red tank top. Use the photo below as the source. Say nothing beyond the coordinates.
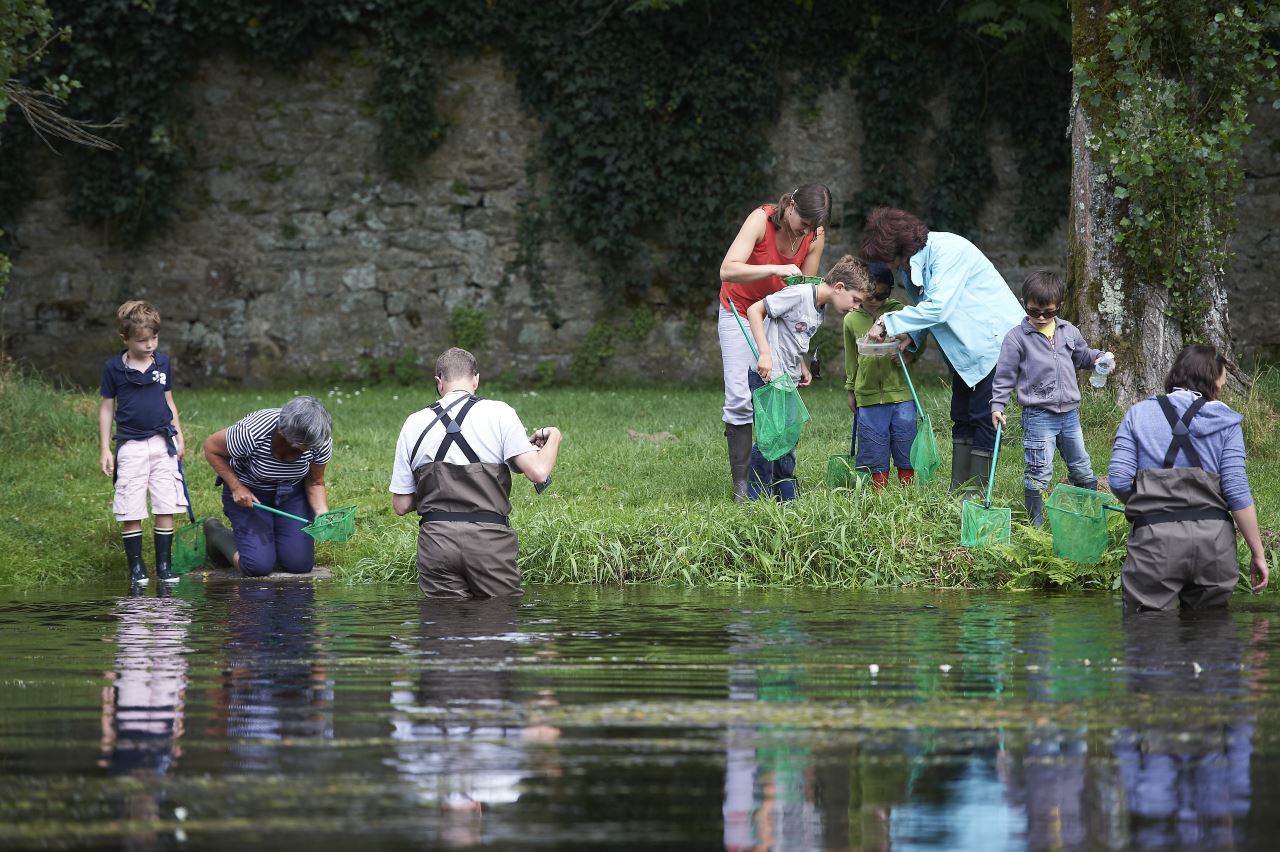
(776, 241)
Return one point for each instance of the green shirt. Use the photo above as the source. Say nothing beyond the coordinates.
(874, 381)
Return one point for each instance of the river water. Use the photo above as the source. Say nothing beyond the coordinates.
(283, 715)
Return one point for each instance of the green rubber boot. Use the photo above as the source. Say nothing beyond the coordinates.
(220, 540)
(961, 449)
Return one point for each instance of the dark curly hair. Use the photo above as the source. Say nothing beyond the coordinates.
(891, 233)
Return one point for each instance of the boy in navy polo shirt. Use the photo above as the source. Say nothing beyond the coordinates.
(137, 394)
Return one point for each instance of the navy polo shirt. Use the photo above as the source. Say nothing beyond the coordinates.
(141, 409)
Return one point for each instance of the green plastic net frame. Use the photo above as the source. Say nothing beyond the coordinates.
(189, 551)
(1078, 521)
(981, 525)
(924, 448)
(841, 472)
(780, 416)
(335, 525)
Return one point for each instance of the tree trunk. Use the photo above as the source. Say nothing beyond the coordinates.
(1114, 308)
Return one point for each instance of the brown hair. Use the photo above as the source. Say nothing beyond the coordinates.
(455, 364)
(813, 203)
(852, 273)
(1044, 287)
(136, 316)
(1197, 368)
(891, 233)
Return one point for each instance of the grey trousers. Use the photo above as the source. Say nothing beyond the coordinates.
(461, 560)
(1190, 563)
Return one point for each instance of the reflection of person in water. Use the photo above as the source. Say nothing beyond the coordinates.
(142, 707)
(1188, 785)
(273, 687)
(456, 744)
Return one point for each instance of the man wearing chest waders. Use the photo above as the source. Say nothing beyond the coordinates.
(453, 465)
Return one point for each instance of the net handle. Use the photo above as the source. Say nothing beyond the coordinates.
(750, 342)
(991, 477)
(183, 478)
(275, 511)
(910, 384)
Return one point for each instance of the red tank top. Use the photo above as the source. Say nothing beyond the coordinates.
(765, 252)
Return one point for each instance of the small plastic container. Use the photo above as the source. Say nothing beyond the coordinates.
(877, 350)
(1101, 369)
(802, 279)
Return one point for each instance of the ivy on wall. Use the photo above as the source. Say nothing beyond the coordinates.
(653, 112)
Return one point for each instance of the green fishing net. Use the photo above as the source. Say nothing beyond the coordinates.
(1078, 523)
(780, 415)
(924, 451)
(983, 526)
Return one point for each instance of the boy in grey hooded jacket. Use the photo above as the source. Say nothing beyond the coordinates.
(1040, 356)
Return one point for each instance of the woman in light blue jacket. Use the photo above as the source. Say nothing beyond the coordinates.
(960, 298)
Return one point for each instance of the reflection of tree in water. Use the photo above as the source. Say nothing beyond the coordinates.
(142, 707)
(456, 743)
(273, 688)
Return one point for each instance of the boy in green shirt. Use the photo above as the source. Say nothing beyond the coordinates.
(884, 417)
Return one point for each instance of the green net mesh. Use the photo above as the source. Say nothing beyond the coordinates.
(188, 547)
(924, 451)
(841, 472)
(338, 525)
(780, 416)
(982, 527)
(1078, 523)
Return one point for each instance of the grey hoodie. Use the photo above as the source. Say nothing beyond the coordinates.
(1216, 433)
(1043, 370)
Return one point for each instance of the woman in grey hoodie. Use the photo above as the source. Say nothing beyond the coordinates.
(1178, 465)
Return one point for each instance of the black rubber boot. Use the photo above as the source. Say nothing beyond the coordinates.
(219, 540)
(979, 472)
(1034, 501)
(164, 556)
(961, 448)
(739, 438)
(133, 555)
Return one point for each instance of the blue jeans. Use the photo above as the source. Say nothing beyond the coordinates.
(1041, 430)
(269, 542)
(885, 430)
(776, 478)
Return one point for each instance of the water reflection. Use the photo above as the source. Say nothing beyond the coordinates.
(458, 747)
(274, 682)
(143, 702)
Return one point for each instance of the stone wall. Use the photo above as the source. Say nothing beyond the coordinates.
(295, 256)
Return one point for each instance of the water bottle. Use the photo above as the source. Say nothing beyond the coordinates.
(1101, 369)
(815, 364)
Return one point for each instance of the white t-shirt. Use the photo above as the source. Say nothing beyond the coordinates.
(793, 319)
(492, 429)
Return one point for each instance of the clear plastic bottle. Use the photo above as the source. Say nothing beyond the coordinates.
(1101, 369)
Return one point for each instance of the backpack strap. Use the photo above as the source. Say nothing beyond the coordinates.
(453, 429)
(1181, 434)
(440, 413)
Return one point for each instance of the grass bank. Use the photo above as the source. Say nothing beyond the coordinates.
(641, 493)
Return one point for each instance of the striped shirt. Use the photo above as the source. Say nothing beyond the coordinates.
(249, 445)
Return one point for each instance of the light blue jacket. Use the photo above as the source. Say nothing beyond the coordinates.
(960, 298)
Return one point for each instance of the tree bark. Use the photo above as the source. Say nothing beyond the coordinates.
(1115, 308)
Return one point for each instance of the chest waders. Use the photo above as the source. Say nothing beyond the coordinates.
(465, 545)
(1182, 545)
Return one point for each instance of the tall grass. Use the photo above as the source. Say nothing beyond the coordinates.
(641, 494)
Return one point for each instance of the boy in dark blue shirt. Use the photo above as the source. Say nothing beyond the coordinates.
(137, 394)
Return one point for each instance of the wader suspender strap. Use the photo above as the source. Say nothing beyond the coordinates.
(1181, 441)
(1181, 434)
(453, 428)
(439, 414)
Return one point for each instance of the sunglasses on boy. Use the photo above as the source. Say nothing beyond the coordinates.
(1042, 313)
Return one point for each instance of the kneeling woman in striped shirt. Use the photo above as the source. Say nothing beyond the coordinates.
(276, 457)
